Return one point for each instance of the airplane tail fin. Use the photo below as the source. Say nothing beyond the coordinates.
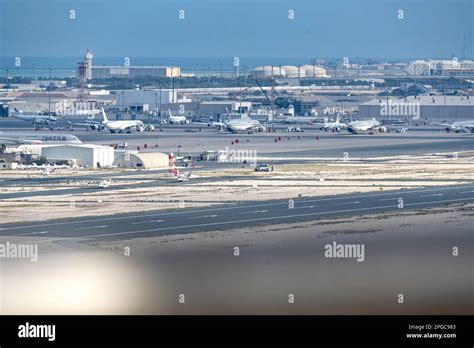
(104, 116)
(169, 111)
(337, 118)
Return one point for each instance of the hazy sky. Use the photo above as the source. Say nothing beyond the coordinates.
(245, 28)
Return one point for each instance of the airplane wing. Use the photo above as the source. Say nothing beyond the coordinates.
(211, 124)
(19, 141)
(85, 123)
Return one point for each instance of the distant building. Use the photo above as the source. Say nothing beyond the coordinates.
(434, 108)
(149, 101)
(86, 72)
(12, 160)
(306, 106)
(447, 67)
(106, 72)
(217, 109)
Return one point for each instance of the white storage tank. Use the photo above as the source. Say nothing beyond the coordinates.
(313, 71)
(293, 71)
(268, 71)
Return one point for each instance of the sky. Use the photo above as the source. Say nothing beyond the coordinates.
(237, 28)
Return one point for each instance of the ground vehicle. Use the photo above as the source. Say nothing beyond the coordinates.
(264, 168)
(293, 129)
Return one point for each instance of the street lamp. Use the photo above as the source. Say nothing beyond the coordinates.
(161, 122)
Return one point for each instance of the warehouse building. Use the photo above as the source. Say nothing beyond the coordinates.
(84, 155)
(426, 107)
(149, 101)
(446, 67)
(106, 72)
(216, 109)
(130, 97)
(142, 160)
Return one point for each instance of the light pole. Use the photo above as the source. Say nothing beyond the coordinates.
(160, 108)
(49, 97)
(156, 104)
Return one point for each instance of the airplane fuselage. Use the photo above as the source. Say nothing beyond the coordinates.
(120, 126)
(40, 119)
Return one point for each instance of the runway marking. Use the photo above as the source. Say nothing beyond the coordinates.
(387, 199)
(240, 221)
(253, 212)
(31, 233)
(466, 192)
(202, 217)
(146, 222)
(90, 227)
(356, 202)
(306, 206)
(397, 192)
(436, 194)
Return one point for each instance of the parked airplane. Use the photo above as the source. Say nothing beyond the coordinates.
(364, 126)
(236, 125)
(176, 119)
(38, 138)
(334, 126)
(241, 124)
(33, 118)
(121, 126)
(459, 126)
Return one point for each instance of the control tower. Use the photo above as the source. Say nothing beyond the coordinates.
(84, 70)
(88, 60)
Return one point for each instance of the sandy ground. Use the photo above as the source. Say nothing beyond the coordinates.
(408, 253)
(288, 181)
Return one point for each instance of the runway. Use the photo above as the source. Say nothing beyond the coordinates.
(183, 220)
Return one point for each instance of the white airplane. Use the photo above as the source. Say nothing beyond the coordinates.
(334, 126)
(364, 126)
(121, 126)
(459, 126)
(33, 118)
(242, 124)
(38, 138)
(176, 119)
(236, 125)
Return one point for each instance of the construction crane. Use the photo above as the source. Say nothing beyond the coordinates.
(270, 99)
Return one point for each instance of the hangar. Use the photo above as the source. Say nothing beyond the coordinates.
(142, 160)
